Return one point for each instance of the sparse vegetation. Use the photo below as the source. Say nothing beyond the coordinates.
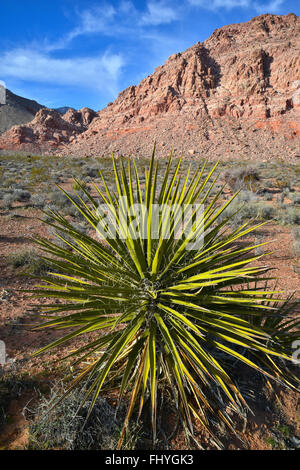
(21, 195)
(38, 200)
(296, 243)
(263, 200)
(7, 201)
(290, 216)
(268, 196)
(65, 426)
(30, 260)
(243, 178)
(295, 197)
(176, 317)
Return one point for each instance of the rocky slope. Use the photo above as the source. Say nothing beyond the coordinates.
(16, 111)
(237, 94)
(48, 130)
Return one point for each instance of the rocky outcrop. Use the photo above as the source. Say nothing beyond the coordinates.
(237, 94)
(48, 130)
(15, 110)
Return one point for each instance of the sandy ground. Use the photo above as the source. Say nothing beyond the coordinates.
(18, 315)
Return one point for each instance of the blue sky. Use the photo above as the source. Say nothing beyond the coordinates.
(83, 53)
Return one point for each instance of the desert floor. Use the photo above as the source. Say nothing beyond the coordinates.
(27, 185)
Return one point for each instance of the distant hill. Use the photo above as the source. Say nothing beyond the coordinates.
(64, 109)
(17, 111)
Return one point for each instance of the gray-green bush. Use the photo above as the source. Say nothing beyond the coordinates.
(290, 216)
(29, 259)
(64, 426)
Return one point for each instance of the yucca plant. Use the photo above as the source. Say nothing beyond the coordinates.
(165, 308)
(284, 325)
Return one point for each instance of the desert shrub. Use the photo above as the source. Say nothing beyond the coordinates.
(59, 199)
(7, 201)
(39, 174)
(239, 211)
(290, 216)
(248, 211)
(92, 171)
(283, 183)
(296, 234)
(64, 426)
(296, 243)
(296, 246)
(266, 211)
(29, 259)
(295, 197)
(8, 182)
(169, 316)
(240, 178)
(71, 210)
(268, 196)
(38, 200)
(247, 196)
(21, 195)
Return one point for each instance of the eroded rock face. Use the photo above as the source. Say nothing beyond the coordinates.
(47, 130)
(251, 69)
(81, 118)
(235, 94)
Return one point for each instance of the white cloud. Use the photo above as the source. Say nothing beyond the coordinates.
(38, 62)
(122, 20)
(102, 19)
(158, 13)
(94, 20)
(99, 72)
(127, 7)
(273, 6)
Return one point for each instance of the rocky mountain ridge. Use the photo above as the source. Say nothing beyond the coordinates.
(236, 95)
(15, 110)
